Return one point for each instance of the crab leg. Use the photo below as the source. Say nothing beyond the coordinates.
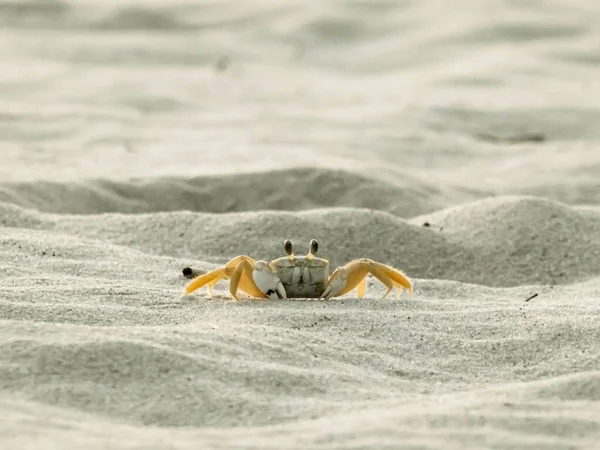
(242, 279)
(361, 288)
(210, 285)
(210, 278)
(244, 283)
(190, 273)
(353, 275)
(385, 279)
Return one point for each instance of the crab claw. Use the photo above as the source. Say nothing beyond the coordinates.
(267, 281)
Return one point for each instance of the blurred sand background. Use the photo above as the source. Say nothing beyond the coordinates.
(458, 142)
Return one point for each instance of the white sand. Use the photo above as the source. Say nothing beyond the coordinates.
(140, 138)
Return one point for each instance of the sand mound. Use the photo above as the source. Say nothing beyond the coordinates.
(522, 239)
(292, 189)
(581, 387)
(504, 241)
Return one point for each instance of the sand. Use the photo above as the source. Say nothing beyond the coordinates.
(456, 143)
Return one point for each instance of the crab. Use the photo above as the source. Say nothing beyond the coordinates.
(294, 276)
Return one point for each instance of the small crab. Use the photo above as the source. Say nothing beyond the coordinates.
(298, 276)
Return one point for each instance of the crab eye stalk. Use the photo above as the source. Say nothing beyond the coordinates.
(288, 246)
(314, 247)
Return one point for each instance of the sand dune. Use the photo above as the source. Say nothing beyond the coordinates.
(500, 241)
(291, 190)
(458, 144)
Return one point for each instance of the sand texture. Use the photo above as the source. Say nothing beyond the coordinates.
(457, 142)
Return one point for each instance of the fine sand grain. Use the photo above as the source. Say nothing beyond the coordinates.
(457, 143)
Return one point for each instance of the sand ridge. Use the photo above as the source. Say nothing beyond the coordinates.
(288, 189)
(497, 241)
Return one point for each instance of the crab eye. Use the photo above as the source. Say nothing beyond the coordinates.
(314, 246)
(289, 248)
